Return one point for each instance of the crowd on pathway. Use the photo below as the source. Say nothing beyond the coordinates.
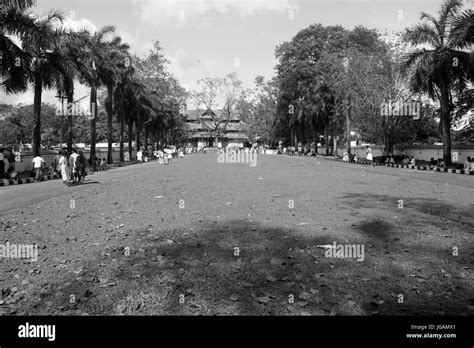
(73, 167)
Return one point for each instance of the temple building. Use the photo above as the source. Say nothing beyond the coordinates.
(203, 126)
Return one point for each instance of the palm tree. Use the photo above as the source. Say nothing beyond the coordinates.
(95, 72)
(446, 66)
(135, 108)
(13, 60)
(113, 62)
(20, 4)
(70, 47)
(45, 63)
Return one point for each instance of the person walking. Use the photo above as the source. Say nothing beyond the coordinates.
(64, 167)
(81, 164)
(370, 157)
(38, 162)
(139, 155)
(72, 165)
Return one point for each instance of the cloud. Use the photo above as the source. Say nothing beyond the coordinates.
(183, 11)
(77, 24)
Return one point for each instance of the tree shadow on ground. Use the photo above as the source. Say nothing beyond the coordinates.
(240, 267)
(428, 206)
(416, 251)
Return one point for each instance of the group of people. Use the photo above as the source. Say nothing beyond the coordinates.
(73, 167)
(99, 162)
(8, 157)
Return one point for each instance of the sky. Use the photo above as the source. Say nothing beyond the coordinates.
(215, 37)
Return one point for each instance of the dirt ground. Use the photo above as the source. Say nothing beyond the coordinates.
(201, 238)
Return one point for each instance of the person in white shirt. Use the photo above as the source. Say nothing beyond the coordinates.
(72, 168)
(37, 164)
(63, 163)
(370, 157)
(139, 155)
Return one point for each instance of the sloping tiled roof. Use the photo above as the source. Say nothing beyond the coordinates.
(234, 127)
(192, 115)
(235, 136)
(200, 135)
(193, 126)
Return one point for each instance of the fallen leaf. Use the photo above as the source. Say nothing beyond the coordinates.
(271, 278)
(304, 295)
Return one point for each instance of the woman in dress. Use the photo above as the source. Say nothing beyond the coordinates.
(64, 167)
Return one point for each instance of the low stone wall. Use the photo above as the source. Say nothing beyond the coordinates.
(357, 150)
(426, 152)
(421, 152)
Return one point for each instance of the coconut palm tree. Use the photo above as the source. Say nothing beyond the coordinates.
(13, 60)
(135, 108)
(42, 47)
(445, 66)
(71, 48)
(95, 71)
(114, 60)
(20, 4)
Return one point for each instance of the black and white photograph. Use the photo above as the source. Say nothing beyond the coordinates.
(238, 159)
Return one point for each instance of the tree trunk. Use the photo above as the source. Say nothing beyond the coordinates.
(145, 148)
(71, 113)
(445, 123)
(122, 127)
(93, 109)
(326, 138)
(36, 143)
(130, 137)
(109, 123)
(138, 139)
(348, 129)
(308, 139)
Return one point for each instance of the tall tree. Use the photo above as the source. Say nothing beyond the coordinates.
(20, 4)
(113, 61)
(45, 64)
(447, 65)
(95, 72)
(13, 60)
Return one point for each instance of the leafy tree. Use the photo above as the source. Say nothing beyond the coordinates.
(257, 109)
(45, 63)
(13, 60)
(446, 66)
